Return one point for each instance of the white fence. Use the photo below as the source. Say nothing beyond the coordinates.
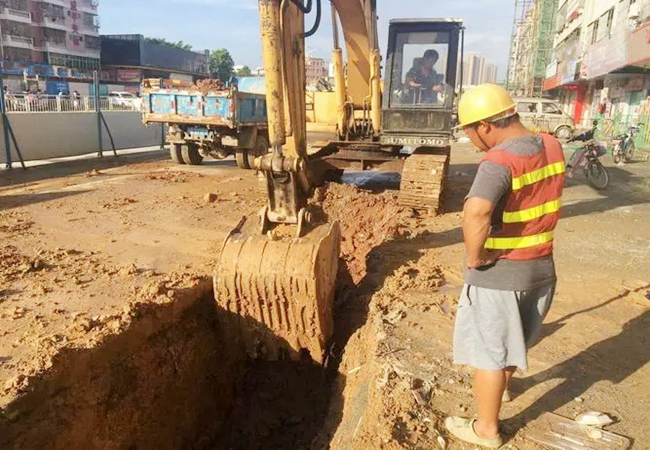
(50, 135)
(20, 103)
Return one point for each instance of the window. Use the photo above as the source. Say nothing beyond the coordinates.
(527, 107)
(594, 32)
(419, 69)
(550, 108)
(610, 20)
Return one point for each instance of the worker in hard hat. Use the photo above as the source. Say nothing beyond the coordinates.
(510, 215)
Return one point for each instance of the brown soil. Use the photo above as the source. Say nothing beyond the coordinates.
(210, 85)
(367, 219)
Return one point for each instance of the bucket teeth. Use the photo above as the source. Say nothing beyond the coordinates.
(280, 290)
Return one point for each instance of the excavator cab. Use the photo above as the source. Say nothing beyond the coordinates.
(420, 82)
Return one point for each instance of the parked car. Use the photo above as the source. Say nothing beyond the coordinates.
(545, 115)
(125, 100)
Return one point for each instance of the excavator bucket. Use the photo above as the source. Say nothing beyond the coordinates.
(280, 289)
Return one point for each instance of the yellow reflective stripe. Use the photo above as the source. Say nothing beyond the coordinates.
(519, 243)
(538, 175)
(529, 214)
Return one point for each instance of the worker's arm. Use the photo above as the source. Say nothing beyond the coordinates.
(477, 218)
(491, 185)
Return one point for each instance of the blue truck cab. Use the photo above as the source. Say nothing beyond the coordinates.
(218, 122)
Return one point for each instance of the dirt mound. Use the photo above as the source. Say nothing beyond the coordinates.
(210, 85)
(367, 220)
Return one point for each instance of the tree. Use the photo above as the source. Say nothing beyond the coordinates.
(222, 66)
(244, 72)
(162, 41)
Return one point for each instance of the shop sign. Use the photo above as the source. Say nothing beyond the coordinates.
(551, 69)
(639, 46)
(551, 83)
(129, 75)
(607, 55)
(618, 84)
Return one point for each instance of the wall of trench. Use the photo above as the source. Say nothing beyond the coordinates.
(166, 382)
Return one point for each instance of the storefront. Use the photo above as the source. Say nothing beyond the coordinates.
(563, 78)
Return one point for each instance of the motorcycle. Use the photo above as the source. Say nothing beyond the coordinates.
(623, 150)
(586, 157)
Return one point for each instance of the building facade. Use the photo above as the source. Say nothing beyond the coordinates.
(48, 40)
(600, 61)
(491, 73)
(474, 70)
(477, 70)
(315, 69)
(531, 46)
(128, 58)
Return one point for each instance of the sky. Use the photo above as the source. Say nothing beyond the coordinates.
(234, 24)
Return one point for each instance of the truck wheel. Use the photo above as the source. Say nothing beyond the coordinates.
(191, 155)
(241, 156)
(261, 149)
(175, 153)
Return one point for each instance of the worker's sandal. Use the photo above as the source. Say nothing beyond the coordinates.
(463, 429)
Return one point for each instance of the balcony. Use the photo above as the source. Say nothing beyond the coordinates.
(55, 47)
(63, 3)
(92, 30)
(18, 41)
(58, 24)
(16, 15)
(87, 5)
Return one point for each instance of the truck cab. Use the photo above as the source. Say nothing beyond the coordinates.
(420, 82)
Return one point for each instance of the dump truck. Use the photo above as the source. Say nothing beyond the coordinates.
(208, 119)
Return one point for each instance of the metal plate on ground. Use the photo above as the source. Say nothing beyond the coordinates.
(559, 433)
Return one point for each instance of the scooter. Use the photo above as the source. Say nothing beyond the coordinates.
(623, 150)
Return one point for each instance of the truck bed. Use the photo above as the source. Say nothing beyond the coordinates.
(220, 108)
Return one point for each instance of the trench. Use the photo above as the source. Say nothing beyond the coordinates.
(179, 377)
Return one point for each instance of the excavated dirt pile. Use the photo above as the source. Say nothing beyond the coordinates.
(210, 85)
(367, 220)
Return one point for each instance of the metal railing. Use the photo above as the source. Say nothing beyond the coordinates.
(19, 39)
(56, 103)
(19, 13)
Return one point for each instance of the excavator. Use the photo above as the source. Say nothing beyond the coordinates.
(277, 273)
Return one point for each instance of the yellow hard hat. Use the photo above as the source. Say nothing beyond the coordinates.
(485, 102)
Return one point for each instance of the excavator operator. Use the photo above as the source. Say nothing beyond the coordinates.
(423, 78)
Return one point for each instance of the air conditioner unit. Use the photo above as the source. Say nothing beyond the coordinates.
(635, 11)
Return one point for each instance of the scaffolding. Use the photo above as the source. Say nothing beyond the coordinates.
(531, 47)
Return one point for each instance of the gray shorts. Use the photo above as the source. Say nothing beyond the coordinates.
(495, 328)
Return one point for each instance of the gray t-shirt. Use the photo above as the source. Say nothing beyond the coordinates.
(493, 182)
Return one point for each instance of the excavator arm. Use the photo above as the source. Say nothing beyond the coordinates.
(279, 283)
(277, 273)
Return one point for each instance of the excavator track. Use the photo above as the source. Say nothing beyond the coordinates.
(279, 290)
(423, 179)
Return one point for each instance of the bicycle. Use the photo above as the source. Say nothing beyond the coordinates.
(587, 157)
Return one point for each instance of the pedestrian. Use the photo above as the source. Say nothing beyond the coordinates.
(76, 99)
(510, 214)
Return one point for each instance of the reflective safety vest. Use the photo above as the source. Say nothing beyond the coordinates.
(532, 208)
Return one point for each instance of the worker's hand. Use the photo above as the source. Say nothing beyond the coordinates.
(487, 258)
(437, 88)
(414, 84)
